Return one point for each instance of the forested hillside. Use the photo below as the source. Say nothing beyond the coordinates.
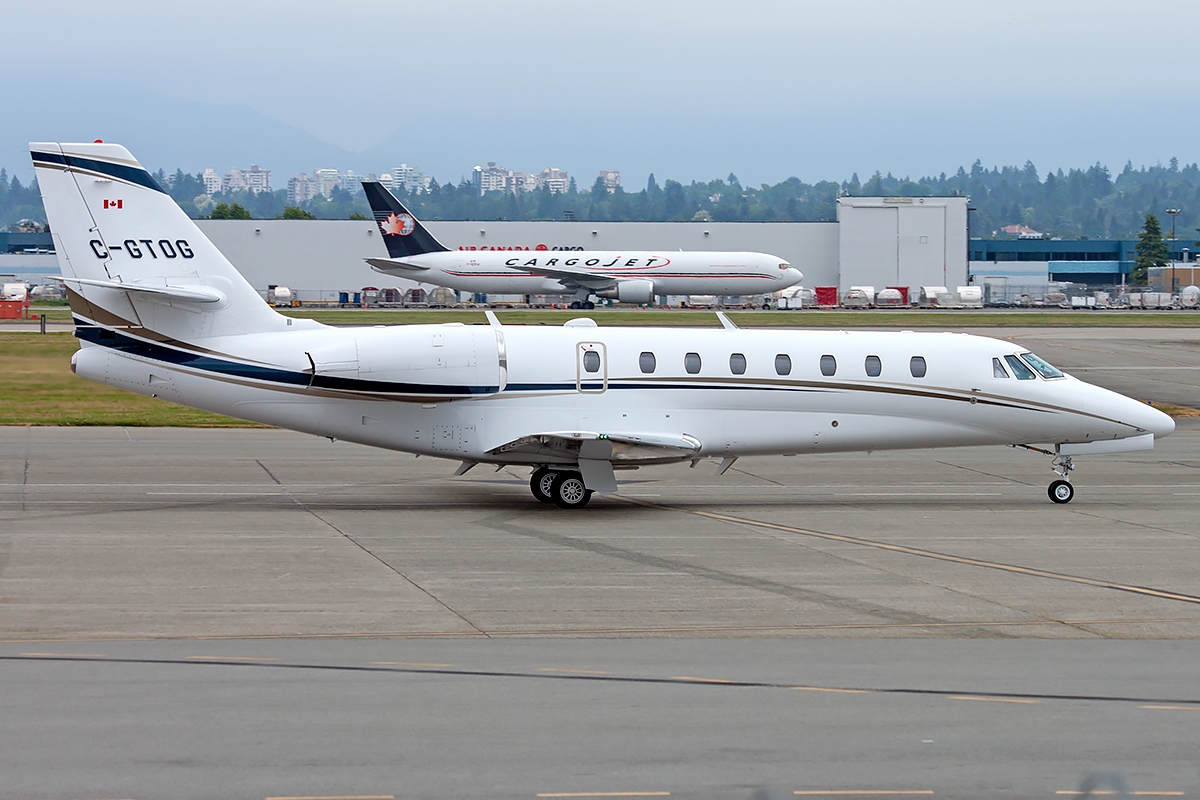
(1089, 202)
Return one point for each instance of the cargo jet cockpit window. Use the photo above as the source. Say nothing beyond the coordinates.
(1041, 366)
(998, 370)
(1019, 369)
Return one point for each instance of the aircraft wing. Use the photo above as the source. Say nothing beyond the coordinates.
(596, 454)
(391, 266)
(573, 278)
(619, 448)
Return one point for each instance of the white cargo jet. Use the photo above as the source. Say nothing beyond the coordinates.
(627, 276)
(161, 312)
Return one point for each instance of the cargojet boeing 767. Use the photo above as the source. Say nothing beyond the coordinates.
(159, 311)
(622, 275)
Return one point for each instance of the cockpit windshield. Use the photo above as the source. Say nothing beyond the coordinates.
(1043, 368)
(1019, 369)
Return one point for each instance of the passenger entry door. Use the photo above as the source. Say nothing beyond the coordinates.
(591, 367)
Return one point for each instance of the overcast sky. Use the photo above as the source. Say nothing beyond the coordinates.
(690, 90)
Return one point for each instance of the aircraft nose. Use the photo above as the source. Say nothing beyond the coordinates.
(793, 276)
(1148, 418)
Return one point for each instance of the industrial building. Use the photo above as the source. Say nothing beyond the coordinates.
(876, 241)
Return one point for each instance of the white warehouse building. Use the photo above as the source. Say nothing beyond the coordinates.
(876, 241)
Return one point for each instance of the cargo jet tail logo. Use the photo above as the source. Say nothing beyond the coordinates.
(114, 203)
(396, 224)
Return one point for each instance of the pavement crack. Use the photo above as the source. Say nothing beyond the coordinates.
(366, 550)
(984, 472)
(708, 573)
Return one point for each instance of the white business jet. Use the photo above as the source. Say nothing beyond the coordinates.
(159, 311)
(623, 275)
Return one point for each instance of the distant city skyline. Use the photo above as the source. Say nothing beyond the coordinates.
(687, 91)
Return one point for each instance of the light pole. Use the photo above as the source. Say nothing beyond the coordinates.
(1174, 212)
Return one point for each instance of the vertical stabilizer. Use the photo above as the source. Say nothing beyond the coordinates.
(113, 226)
(403, 233)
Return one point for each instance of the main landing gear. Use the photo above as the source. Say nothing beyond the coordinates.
(562, 488)
(585, 304)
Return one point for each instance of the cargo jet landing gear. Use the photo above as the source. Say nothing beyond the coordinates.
(563, 489)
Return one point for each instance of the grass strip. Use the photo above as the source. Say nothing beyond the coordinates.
(39, 389)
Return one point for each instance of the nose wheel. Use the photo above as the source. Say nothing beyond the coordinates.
(1061, 491)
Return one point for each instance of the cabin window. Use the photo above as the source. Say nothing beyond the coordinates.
(1041, 366)
(874, 366)
(783, 364)
(998, 370)
(646, 362)
(591, 361)
(691, 363)
(916, 365)
(1019, 369)
(828, 366)
(737, 364)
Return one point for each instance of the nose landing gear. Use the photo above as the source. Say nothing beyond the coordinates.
(1061, 490)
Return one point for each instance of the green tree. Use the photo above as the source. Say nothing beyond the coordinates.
(295, 212)
(357, 215)
(226, 211)
(1151, 251)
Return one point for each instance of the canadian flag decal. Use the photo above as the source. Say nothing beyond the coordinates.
(114, 204)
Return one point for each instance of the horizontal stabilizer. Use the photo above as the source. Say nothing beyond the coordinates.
(188, 294)
(393, 267)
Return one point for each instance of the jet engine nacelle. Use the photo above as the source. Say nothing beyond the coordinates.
(427, 360)
(639, 292)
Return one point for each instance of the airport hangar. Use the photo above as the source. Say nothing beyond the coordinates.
(876, 241)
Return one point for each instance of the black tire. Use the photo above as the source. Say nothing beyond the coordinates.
(575, 305)
(589, 305)
(1061, 492)
(569, 490)
(541, 483)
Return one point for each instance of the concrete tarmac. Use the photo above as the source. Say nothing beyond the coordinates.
(201, 613)
(531, 718)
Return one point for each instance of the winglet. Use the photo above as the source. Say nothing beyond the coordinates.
(492, 319)
(725, 322)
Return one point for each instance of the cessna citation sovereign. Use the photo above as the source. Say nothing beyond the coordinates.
(625, 276)
(159, 311)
